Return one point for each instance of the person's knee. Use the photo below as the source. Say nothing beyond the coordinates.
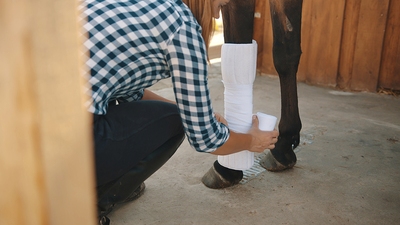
(175, 120)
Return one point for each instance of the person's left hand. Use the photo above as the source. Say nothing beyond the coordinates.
(220, 118)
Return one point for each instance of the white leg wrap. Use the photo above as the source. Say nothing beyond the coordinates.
(238, 67)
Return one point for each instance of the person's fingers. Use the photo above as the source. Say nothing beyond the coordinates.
(255, 121)
(220, 118)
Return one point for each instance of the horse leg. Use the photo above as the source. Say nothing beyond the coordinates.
(238, 16)
(286, 23)
(238, 21)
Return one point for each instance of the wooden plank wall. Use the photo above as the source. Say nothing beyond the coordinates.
(321, 31)
(46, 167)
(390, 68)
(368, 44)
(348, 44)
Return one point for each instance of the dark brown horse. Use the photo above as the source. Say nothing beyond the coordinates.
(238, 16)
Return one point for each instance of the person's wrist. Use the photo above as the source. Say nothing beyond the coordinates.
(252, 143)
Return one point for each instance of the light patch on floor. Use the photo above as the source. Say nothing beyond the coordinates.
(253, 172)
(341, 93)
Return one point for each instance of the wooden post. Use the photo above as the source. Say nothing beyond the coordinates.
(369, 45)
(259, 31)
(348, 43)
(390, 67)
(46, 165)
(321, 31)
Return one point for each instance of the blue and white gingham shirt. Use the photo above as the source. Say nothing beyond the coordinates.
(135, 43)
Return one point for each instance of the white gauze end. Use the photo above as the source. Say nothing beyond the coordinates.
(238, 67)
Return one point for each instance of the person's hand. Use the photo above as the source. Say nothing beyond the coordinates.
(220, 118)
(262, 140)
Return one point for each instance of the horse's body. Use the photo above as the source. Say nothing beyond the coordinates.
(238, 18)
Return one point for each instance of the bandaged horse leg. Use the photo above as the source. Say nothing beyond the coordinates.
(238, 67)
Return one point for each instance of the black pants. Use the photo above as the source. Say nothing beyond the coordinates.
(130, 134)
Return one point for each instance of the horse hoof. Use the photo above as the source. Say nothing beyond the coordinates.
(269, 162)
(219, 177)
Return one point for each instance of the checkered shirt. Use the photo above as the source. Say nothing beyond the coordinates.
(135, 43)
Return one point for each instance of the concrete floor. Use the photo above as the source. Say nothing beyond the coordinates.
(348, 169)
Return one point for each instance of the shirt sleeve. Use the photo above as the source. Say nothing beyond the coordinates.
(187, 59)
(136, 96)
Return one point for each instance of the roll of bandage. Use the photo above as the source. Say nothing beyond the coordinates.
(238, 68)
(266, 122)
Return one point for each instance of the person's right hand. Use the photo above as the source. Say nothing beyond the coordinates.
(261, 140)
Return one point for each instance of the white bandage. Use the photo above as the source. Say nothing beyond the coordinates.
(238, 67)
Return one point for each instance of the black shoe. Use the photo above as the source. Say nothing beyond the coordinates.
(104, 220)
(136, 194)
(119, 191)
(104, 209)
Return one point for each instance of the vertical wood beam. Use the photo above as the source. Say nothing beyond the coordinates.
(348, 45)
(259, 27)
(46, 164)
(22, 192)
(389, 75)
(267, 64)
(321, 40)
(369, 44)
